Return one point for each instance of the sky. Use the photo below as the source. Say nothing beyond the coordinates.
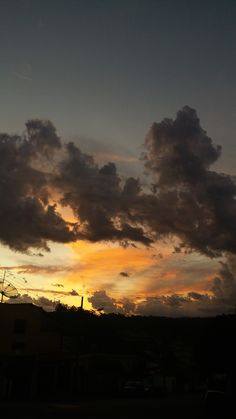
(148, 225)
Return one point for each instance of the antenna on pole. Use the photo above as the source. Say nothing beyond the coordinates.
(7, 290)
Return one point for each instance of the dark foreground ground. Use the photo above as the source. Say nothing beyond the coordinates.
(187, 406)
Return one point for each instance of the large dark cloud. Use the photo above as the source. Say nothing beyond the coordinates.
(184, 197)
(27, 219)
(189, 201)
(99, 198)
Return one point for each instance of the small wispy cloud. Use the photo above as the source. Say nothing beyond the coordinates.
(37, 269)
(72, 292)
(57, 285)
(22, 76)
(23, 71)
(124, 274)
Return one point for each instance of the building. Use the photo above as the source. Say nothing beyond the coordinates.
(35, 360)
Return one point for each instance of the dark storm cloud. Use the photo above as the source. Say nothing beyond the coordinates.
(26, 218)
(29, 177)
(190, 201)
(102, 203)
(184, 197)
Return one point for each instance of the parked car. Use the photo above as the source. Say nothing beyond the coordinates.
(136, 388)
(217, 403)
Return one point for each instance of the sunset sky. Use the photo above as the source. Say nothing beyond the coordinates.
(148, 89)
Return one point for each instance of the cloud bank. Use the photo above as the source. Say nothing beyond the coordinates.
(219, 298)
(186, 199)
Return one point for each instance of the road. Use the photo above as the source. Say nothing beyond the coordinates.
(188, 406)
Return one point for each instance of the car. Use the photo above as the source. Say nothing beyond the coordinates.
(217, 403)
(136, 388)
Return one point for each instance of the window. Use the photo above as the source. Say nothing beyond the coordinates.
(18, 347)
(20, 326)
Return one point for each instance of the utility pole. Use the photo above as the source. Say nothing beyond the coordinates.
(82, 302)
